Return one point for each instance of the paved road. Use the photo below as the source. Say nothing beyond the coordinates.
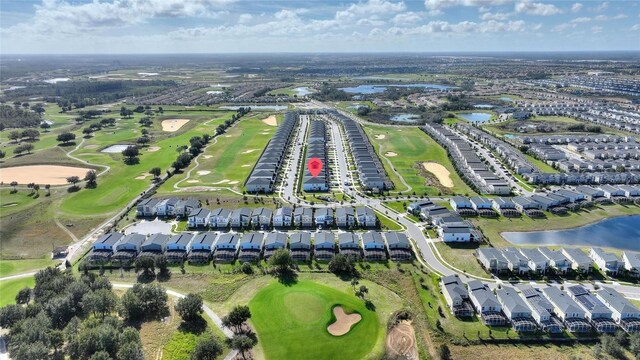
(288, 191)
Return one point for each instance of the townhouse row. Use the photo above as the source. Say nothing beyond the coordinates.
(264, 174)
(370, 170)
(449, 225)
(284, 217)
(540, 260)
(122, 250)
(470, 167)
(548, 309)
(316, 148)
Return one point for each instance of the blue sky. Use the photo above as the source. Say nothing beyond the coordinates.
(222, 26)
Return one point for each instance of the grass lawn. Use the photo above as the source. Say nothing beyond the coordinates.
(291, 322)
(9, 289)
(462, 257)
(521, 351)
(541, 164)
(12, 267)
(492, 228)
(229, 161)
(413, 147)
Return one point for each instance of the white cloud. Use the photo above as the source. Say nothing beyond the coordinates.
(371, 7)
(601, 7)
(596, 29)
(245, 18)
(580, 20)
(461, 27)
(564, 26)
(609, 18)
(407, 18)
(534, 8)
(576, 7)
(495, 16)
(441, 4)
(635, 27)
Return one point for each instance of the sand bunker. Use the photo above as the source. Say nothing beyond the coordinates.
(343, 322)
(172, 125)
(380, 137)
(91, 147)
(193, 181)
(233, 182)
(245, 165)
(204, 172)
(207, 156)
(441, 173)
(249, 151)
(390, 154)
(143, 176)
(221, 182)
(271, 120)
(401, 342)
(41, 174)
(153, 148)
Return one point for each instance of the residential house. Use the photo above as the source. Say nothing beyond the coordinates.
(345, 217)
(398, 245)
(349, 244)
(185, 206)
(250, 247)
(177, 247)
(240, 218)
(220, 218)
(580, 262)
(366, 217)
(300, 246)
(631, 263)
(274, 241)
(516, 309)
(596, 311)
(541, 310)
(324, 245)
(201, 248)
(283, 217)
(261, 218)
(303, 217)
(492, 259)
(571, 314)
(607, 262)
(457, 296)
(226, 247)
(324, 217)
(199, 218)
(486, 304)
(560, 263)
(538, 263)
(623, 311)
(154, 245)
(374, 246)
(147, 208)
(127, 248)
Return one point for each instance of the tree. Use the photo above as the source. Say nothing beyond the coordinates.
(23, 148)
(183, 160)
(208, 348)
(56, 340)
(146, 264)
(14, 184)
(2, 154)
(444, 352)
(36, 187)
(10, 315)
(162, 264)
(130, 351)
(45, 126)
(142, 140)
(73, 180)
(66, 137)
(190, 307)
(236, 317)
(91, 178)
(341, 264)
(48, 188)
(23, 296)
(100, 302)
(31, 134)
(243, 343)
(362, 291)
(15, 136)
(281, 259)
(156, 171)
(144, 301)
(131, 154)
(88, 131)
(131, 306)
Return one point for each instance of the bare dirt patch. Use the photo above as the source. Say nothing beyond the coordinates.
(41, 174)
(390, 154)
(401, 342)
(207, 156)
(271, 120)
(153, 148)
(441, 173)
(172, 125)
(380, 136)
(343, 322)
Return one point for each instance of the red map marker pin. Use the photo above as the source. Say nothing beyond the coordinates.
(315, 166)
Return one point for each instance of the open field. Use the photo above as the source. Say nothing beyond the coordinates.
(41, 174)
(533, 352)
(12, 267)
(462, 256)
(291, 322)
(413, 147)
(541, 164)
(9, 289)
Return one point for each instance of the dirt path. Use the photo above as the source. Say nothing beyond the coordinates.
(64, 228)
(401, 342)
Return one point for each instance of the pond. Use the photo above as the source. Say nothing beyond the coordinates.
(56, 80)
(302, 91)
(506, 98)
(114, 149)
(475, 117)
(406, 118)
(618, 232)
(376, 89)
(255, 107)
(510, 136)
(483, 106)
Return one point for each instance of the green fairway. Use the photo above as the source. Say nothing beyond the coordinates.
(291, 322)
(9, 289)
(12, 267)
(412, 147)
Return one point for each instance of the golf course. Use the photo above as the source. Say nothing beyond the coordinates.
(292, 322)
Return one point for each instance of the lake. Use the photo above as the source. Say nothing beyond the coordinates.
(407, 118)
(114, 149)
(506, 98)
(376, 89)
(618, 232)
(475, 117)
(302, 91)
(256, 107)
(56, 80)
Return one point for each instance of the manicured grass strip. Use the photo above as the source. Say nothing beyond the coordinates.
(291, 322)
(12, 267)
(9, 289)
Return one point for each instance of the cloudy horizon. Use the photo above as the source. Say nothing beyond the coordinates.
(237, 26)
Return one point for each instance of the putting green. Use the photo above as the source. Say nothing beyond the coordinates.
(291, 322)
